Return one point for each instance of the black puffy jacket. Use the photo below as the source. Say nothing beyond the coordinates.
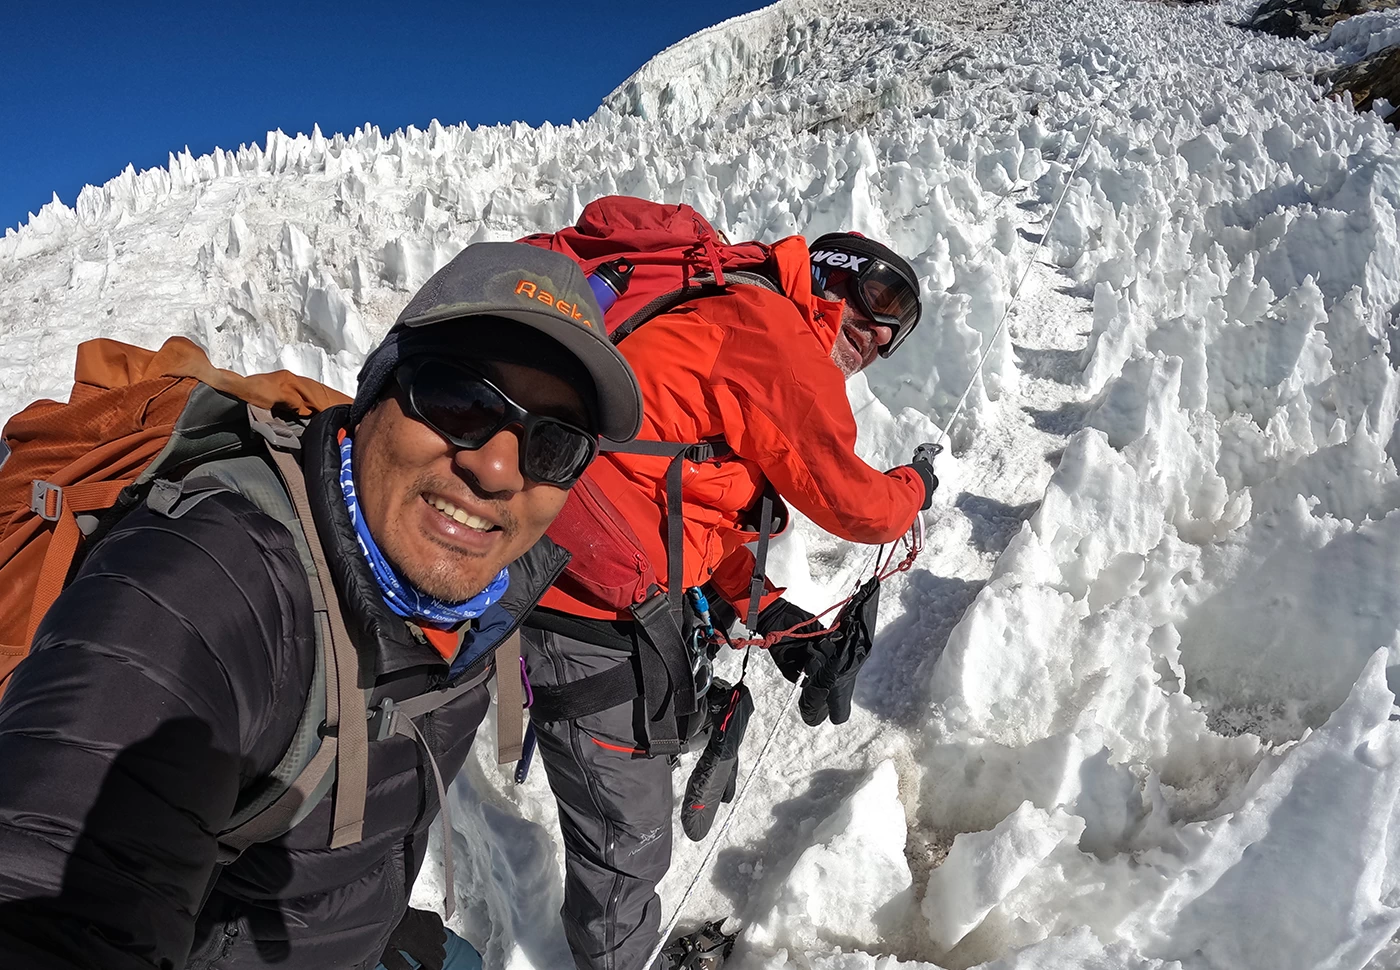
(170, 675)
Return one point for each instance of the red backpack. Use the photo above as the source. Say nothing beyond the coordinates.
(676, 257)
(675, 253)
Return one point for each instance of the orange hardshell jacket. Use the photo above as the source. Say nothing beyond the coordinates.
(752, 367)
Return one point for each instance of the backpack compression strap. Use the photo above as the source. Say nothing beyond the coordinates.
(61, 505)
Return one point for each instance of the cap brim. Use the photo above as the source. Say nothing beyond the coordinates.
(619, 396)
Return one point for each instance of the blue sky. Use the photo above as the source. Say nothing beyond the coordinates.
(88, 87)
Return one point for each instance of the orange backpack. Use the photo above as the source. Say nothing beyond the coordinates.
(134, 415)
(139, 419)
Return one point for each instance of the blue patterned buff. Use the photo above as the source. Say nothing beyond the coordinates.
(399, 594)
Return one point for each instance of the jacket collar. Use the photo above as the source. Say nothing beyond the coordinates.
(384, 640)
(794, 264)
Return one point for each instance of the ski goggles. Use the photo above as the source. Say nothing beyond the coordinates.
(879, 290)
(468, 410)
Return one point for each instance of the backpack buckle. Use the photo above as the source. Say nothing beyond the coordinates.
(381, 720)
(46, 500)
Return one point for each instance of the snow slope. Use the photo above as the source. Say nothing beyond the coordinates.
(1133, 708)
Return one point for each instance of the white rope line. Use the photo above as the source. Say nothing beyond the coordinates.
(1025, 274)
(718, 838)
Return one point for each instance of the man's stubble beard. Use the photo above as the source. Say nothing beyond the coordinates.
(441, 577)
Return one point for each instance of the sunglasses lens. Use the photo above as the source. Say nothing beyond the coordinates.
(457, 404)
(469, 412)
(556, 453)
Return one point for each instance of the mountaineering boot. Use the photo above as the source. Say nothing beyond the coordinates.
(716, 773)
(705, 949)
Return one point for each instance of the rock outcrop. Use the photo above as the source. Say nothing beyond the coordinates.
(1369, 79)
(1307, 18)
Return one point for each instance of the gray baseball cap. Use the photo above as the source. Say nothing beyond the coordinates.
(546, 291)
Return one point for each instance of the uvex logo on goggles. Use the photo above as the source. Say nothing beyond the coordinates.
(533, 291)
(838, 260)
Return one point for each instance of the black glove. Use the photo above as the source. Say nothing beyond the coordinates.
(836, 660)
(923, 464)
(421, 935)
(791, 654)
(716, 773)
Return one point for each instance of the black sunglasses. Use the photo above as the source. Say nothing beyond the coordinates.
(468, 410)
(880, 291)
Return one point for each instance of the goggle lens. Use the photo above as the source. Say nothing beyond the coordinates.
(886, 293)
(883, 293)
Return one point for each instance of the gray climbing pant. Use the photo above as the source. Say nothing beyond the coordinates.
(615, 809)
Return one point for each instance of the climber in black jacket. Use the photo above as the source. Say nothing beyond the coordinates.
(171, 674)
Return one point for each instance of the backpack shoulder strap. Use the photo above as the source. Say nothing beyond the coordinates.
(346, 732)
(331, 748)
(704, 285)
(510, 701)
(675, 536)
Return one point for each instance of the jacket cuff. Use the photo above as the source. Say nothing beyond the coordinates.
(925, 471)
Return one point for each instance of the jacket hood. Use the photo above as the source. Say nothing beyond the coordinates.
(795, 277)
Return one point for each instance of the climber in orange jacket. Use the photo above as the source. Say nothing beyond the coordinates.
(765, 372)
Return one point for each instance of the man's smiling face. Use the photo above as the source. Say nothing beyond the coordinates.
(449, 519)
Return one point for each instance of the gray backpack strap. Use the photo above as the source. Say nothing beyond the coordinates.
(510, 702)
(345, 732)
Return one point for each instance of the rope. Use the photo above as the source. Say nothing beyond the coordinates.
(915, 540)
(1016, 293)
